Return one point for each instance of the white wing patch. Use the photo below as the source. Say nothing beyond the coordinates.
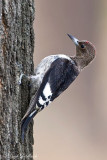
(47, 91)
(41, 101)
(47, 95)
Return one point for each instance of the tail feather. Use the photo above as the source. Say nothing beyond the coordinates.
(25, 123)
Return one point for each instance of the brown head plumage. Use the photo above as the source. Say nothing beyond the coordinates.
(85, 52)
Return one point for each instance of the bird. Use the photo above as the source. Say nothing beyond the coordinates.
(54, 75)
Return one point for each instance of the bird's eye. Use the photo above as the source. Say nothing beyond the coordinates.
(82, 46)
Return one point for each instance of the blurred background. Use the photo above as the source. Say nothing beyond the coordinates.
(74, 126)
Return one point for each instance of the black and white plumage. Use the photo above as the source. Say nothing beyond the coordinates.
(52, 76)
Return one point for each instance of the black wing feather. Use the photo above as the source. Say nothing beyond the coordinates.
(62, 74)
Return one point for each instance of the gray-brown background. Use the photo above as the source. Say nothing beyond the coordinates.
(74, 126)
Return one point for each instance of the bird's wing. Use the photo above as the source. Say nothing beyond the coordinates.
(63, 73)
(59, 76)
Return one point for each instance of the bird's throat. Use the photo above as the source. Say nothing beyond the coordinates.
(80, 61)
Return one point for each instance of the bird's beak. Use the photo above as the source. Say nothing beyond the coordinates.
(75, 40)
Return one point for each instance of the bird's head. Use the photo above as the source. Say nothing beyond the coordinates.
(85, 51)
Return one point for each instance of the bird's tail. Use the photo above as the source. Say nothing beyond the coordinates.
(25, 123)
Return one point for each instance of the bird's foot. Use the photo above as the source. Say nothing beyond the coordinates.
(20, 78)
(23, 78)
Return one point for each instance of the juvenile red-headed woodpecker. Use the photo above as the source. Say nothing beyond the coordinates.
(54, 74)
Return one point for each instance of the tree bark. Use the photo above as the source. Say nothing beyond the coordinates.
(16, 57)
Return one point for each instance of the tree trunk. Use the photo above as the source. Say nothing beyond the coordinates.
(16, 57)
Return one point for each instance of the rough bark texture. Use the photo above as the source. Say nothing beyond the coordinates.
(16, 56)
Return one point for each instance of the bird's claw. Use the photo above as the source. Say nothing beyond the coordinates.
(20, 79)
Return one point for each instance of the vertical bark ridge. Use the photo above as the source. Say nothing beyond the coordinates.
(16, 56)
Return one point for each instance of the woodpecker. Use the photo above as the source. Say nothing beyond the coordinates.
(54, 74)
